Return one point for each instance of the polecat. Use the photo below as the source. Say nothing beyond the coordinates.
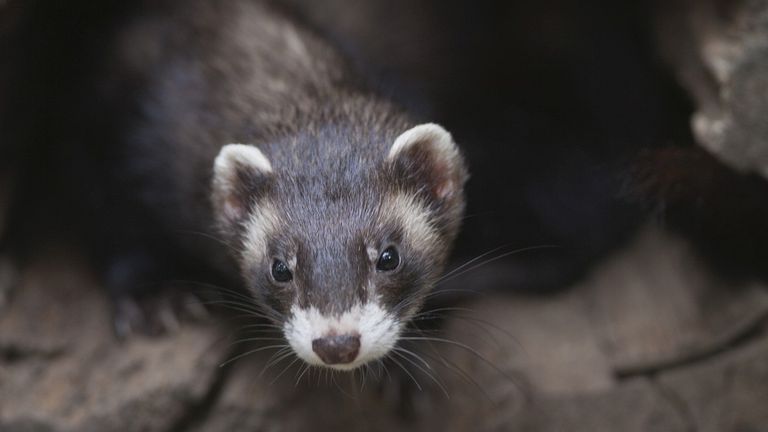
(235, 122)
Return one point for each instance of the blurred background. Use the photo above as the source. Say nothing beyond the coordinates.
(628, 135)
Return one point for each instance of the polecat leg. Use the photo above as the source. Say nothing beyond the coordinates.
(145, 299)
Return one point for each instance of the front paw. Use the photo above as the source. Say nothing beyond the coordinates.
(156, 314)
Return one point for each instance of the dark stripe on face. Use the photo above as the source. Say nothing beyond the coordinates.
(361, 268)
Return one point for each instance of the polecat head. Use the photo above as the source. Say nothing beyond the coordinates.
(343, 255)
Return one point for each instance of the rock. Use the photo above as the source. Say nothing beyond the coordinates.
(537, 364)
(725, 394)
(61, 368)
(634, 407)
(527, 363)
(720, 52)
(656, 305)
(550, 341)
(250, 402)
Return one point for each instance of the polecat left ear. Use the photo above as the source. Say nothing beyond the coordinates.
(241, 175)
(425, 159)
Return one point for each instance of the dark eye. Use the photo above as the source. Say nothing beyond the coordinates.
(281, 272)
(388, 260)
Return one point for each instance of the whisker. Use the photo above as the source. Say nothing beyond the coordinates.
(483, 335)
(407, 372)
(484, 325)
(304, 370)
(339, 388)
(363, 376)
(481, 256)
(284, 370)
(439, 291)
(400, 348)
(213, 288)
(209, 236)
(460, 345)
(274, 359)
(490, 260)
(244, 307)
(265, 325)
(383, 369)
(255, 339)
(250, 316)
(444, 309)
(459, 372)
(253, 351)
(241, 307)
(433, 378)
(248, 304)
(261, 333)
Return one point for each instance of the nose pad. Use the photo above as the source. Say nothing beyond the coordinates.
(337, 349)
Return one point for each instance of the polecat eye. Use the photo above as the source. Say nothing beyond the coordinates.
(388, 260)
(281, 272)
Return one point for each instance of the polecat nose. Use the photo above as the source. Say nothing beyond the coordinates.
(340, 349)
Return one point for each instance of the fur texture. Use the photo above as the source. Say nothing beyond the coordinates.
(326, 177)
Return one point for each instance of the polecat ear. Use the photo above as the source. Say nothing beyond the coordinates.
(241, 174)
(426, 159)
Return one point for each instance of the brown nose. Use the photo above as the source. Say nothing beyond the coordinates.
(339, 349)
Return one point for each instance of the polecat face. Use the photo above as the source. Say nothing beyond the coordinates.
(343, 260)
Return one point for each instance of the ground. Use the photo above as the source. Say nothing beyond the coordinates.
(651, 341)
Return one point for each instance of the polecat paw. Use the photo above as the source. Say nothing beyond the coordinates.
(156, 315)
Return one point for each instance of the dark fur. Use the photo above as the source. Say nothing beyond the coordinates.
(184, 79)
(330, 188)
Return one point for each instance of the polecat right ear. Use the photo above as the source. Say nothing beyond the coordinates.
(426, 160)
(241, 174)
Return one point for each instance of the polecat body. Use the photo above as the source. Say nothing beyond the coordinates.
(337, 210)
